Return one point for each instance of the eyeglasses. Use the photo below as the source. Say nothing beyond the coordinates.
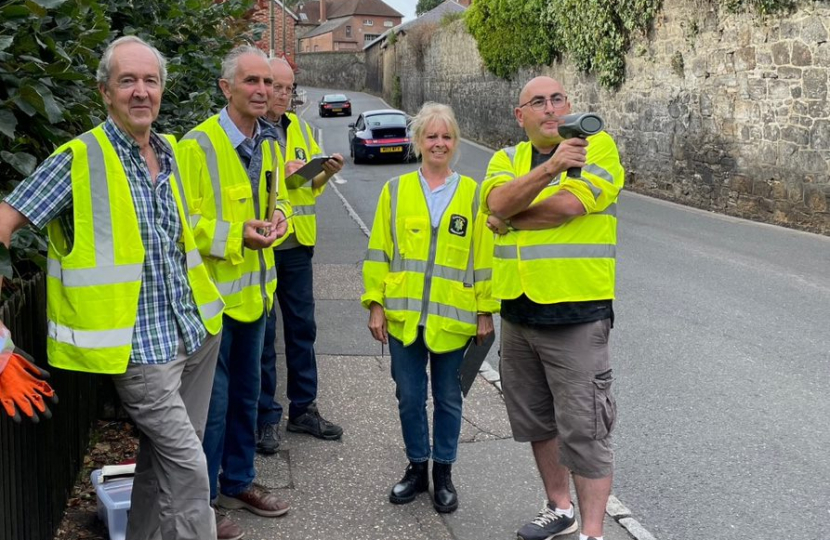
(284, 90)
(557, 101)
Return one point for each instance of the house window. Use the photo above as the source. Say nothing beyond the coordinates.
(388, 24)
(348, 31)
(370, 37)
(368, 22)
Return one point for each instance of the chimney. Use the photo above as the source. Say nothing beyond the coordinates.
(322, 11)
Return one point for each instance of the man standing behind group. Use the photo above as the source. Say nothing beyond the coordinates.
(127, 292)
(230, 161)
(295, 292)
(553, 269)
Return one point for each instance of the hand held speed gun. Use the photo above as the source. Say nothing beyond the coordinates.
(580, 125)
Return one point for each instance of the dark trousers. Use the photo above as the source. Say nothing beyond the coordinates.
(295, 296)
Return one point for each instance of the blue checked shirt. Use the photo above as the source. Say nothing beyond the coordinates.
(166, 309)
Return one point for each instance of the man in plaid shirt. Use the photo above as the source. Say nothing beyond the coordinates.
(172, 354)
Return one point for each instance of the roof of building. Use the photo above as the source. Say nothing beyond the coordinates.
(432, 16)
(329, 26)
(309, 12)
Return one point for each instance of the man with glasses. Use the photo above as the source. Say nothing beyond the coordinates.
(295, 294)
(554, 273)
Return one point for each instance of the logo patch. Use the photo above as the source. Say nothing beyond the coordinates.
(300, 153)
(458, 225)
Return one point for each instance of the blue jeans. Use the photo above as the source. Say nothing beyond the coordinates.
(230, 433)
(295, 295)
(409, 371)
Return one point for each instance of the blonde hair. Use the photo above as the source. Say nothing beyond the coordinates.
(429, 113)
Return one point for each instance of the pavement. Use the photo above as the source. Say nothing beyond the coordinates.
(338, 490)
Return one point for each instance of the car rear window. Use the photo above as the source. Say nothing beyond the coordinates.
(336, 97)
(386, 120)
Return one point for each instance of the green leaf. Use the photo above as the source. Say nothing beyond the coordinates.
(24, 106)
(49, 4)
(6, 269)
(7, 123)
(22, 162)
(6, 42)
(14, 12)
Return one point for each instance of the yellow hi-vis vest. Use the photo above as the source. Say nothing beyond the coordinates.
(93, 286)
(435, 278)
(575, 261)
(221, 200)
(300, 144)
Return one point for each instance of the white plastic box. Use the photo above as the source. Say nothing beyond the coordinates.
(113, 503)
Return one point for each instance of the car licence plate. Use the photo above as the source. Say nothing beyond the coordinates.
(386, 149)
(337, 110)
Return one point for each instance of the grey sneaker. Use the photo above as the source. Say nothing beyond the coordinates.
(312, 423)
(547, 525)
(268, 439)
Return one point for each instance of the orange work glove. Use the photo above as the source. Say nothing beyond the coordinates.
(22, 388)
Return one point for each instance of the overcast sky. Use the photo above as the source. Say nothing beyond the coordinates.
(407, 7)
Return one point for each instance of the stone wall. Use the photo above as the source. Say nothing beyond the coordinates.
(720, 111)
(336, 70)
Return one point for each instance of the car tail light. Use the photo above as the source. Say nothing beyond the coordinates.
(388, 141)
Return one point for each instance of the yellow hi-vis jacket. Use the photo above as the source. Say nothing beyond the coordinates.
(221, 200)
(436, 278)
(93, 284)
(574, 261)
(300, 144)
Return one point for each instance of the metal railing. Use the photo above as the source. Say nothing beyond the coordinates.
(39, 463)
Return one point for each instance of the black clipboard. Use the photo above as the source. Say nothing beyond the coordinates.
(473, 358)
(306, 172)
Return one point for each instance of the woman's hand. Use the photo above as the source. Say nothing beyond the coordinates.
(484, 327)
(377, 323)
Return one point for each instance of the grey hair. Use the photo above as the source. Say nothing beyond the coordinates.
(231, 61)
(430, 112)
(102, 76)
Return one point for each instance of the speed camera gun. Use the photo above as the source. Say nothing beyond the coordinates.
(580, 125)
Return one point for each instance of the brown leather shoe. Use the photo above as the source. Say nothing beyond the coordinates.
(225, 528)
(256, 499)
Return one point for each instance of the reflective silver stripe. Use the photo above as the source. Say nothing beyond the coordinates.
(408, 265)
(511, 153)
(569, 251)
(304, 209)
(450, 312)
(435, 308)
(453, 274)
(483, 275)
(610, 211)
(212, 309)
(88, 277)
(376, 255)
(90, 339)
(599, 171)
(213, 167)
(101, 211)
(232, 287)
(194, 220)
(177, 175)
(594, 189)
(220, 239)
(393, 202)
(193, 259)
(505, 252)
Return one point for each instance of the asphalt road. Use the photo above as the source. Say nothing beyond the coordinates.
(722, 359)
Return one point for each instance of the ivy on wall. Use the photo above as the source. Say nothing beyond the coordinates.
(596, 34)
(512, 34)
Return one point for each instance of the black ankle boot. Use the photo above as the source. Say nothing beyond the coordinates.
(415, 480)
(444, 497)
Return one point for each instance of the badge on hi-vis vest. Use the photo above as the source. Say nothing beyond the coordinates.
(300, 153)
(458, 225)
